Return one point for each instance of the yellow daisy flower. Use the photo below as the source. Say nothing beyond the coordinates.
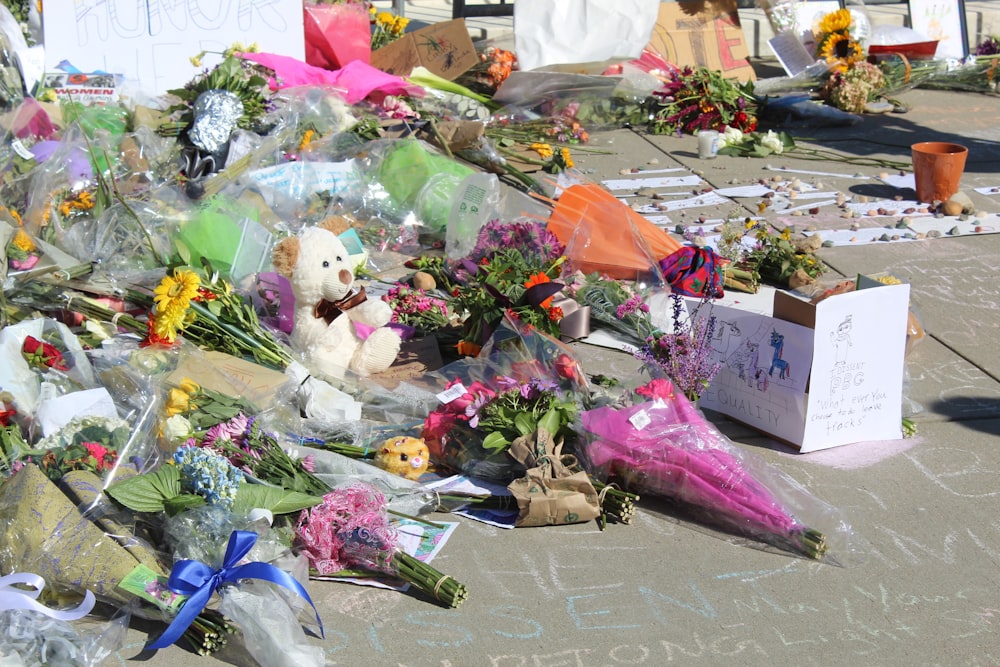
(543, 150)
(173, 296)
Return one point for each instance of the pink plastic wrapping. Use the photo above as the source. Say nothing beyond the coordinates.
(661, 445)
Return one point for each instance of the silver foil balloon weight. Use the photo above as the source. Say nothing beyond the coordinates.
(216, 113)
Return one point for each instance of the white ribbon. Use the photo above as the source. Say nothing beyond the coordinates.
(20, 598)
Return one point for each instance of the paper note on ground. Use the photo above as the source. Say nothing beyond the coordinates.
(661, 182)
(707, 199)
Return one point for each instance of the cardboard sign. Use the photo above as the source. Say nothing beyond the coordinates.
(708, 35)
(815, 376)
(152, 41)
(443, 48)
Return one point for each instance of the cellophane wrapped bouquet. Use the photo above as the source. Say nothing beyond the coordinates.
(489, 401)
(657, 443)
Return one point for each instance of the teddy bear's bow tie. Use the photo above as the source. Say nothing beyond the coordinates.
(331, 310)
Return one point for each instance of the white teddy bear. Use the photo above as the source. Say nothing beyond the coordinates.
(337, 328)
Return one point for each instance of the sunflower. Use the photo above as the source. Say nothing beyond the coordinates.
(174, 293)
(838, 21)
(840, 51)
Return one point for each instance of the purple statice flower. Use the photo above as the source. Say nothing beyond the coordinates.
(684, 356)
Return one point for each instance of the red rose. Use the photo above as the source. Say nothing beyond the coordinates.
(41, 353)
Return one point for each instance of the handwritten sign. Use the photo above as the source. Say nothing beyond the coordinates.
(705, 34)
(815, 376)
(151, 41)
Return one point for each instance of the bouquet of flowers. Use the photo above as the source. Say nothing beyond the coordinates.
(763, 144)
(210, 313)
(835, 42)
(852, 88)
(414, 307)
(45, 531)
(616, 304)
(659, 444)
(697, 98)
(350, 529)
(510, 271)
(495, 65)
(386, 27)
(521, 377)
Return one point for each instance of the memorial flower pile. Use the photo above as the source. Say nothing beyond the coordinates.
(163, 439)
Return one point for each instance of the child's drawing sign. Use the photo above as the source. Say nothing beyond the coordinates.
(816, 376)
(151, 41)
(765, 368)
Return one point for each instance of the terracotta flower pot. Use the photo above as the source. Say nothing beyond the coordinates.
(937, 169)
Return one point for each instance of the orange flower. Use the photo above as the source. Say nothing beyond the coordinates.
(555, 313)
(467, 349)
(539, 279)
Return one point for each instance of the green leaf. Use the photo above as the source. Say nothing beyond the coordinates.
(550, 421)
(272, 498)
(524, 423)
(178, 504)
(147, 493)
(495, 441)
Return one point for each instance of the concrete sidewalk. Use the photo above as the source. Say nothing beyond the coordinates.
(919, 584)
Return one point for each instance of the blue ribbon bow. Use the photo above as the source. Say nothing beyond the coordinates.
(199, 581)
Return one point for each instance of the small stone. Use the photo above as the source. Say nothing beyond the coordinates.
(951, 208)
(964, 217)
(933, 234)
(423, 280)
(855, 226)
(884, 237)
(873, 212)
(954, 231)
(653, 161)
(796, 212)
(814, 210)
(978, 229)
(828, 244)
(625, 172)
(646, 192)
(841, 199)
